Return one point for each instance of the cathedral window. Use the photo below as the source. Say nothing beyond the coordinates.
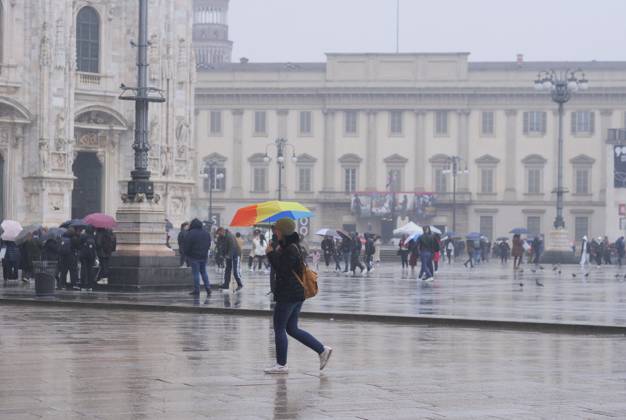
(88, 40)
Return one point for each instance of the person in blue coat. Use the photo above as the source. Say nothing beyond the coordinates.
(197, 244)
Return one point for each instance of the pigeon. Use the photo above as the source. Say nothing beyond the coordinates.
(541, 267)
(554, 268)
(533, 270)
(521, 285)
(586, 274)
(573, 275)
(559, 271)
(538, 283)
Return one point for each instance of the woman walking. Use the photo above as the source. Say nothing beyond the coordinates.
(517, 251)
(286, 260)
(403, 251)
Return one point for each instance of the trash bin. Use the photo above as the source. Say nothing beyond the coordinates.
(45, 281)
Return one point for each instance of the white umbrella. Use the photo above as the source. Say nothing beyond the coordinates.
(408, 229)
(327, 232)
(11, 229)
(433, 229)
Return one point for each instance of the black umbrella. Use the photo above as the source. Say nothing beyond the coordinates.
(343, 234)
(75, 223)
(52, 233)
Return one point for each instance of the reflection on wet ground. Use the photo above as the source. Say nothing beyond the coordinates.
(62, 363)
(487, 292)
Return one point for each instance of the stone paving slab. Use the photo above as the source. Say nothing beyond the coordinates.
(491, 292)
(82, 363)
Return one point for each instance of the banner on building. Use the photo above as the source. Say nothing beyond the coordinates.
(415, 206)
(619, 166)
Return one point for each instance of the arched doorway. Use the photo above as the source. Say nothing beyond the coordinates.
(87, 193)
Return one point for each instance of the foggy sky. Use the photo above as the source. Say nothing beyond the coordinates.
(491, 30)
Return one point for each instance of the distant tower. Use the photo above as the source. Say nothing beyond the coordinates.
(210, 32)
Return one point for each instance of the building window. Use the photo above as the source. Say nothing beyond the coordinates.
(583, 122)
(533, 224)
(395, 122)
(351, 122)
(88, 40)
(486, 226)
(581, 227)
(534, 180)
(215, 126)
(581, 181)
(260, 119)
(487, 123)
(441, 123)
(487, 181)
(259, 179)
(305, 179)
(219, 182)
(305, 123)
(349, 180)
(535, 122)
(441, 181)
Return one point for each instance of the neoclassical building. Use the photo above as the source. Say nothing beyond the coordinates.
(364, 126)
(65, 137)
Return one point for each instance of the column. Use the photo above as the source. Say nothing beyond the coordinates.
(281, 130)
(371, 159)
(510, 159)
(463, 146)
(237, 168)
(607, 150)
(329, 151)
(419, 146)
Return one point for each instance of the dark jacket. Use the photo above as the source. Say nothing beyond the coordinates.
(328, 246)
(69, 245)
(87, 247)
(231, 247)
(181, 241)
(12, 253)
(286, 261)
(106, 243)
(427, 242)
(197, 241)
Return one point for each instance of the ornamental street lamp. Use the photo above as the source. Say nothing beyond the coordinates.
(281, 146)
(455, 170)
(142, 95)
(209, 173)
(561, 85)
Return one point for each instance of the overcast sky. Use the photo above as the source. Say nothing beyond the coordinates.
(491, 30)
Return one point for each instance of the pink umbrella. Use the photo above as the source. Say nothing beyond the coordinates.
(100, 220)
(11, 229)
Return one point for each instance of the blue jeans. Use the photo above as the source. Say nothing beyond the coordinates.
(198, 268)
(286, 322)
(427, 263)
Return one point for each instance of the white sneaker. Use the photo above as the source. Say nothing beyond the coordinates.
(277, 369)
(324, 356)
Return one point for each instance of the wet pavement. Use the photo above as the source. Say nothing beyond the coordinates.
(489, 292)
(62, 363)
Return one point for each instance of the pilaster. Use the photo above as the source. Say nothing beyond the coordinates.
(605, 124)
(237, 186)
(419, 148)
(463, 145)
(371, 152)
(510, 159)
(329, 151)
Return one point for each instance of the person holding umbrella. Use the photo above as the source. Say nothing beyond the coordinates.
(68, 248)
(285, 257)
(106, 244)
(87, 255)
(328, 248)
(517, 251)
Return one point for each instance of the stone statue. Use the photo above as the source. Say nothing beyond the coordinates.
(153, 133)
(166, 158)
(59, 137)
(182, 136)
(43, 157)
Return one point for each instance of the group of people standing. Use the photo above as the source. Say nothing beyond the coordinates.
(427, 249)
(82, 252)
(600, 251)
(354, 250)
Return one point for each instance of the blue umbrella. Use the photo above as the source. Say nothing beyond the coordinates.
(474, 236)
(519, 231)
(415, 236)
(76, 223)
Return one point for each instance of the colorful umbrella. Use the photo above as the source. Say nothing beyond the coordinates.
(11, 229)
(100, 220)
(269, 212)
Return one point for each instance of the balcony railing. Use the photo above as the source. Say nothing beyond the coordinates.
(95, 82)
(446, 197)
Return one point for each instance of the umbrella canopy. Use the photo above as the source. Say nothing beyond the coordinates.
(343, 235)
(474, 236)
(100, 220)
(415, 236)
(11, 229)
(502, 238)
(28, 230)
(408, 229)
(76, 223)
(519, 231)
(269, 212)
(327, 232)
(53, 233)
(434, 229)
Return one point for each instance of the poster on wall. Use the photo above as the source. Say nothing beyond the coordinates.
(425, 206)
(415, 206)
(619, 166)
(361, 205)
(382, 204)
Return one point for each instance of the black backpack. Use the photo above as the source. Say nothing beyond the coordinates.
(88, 248)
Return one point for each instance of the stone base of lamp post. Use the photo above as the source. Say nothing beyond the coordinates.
(558, 248)
(142, 261)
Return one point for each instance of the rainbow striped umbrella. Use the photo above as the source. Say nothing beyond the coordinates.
(269, 212)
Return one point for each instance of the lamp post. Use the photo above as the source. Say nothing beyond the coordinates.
(561, 85)
(208, 172)
(281, 146)
(455, 170)
(142, 95)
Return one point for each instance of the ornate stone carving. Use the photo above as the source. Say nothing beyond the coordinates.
(59, 45)
(96, 118)
(56, 202)
(59, 137)
(182, 138)
(100, 154)
(140, 198)
(88, 140)
(58, 161)
(154, 132)
(9, 112)
(178, 206)
(44, 47)
(43, 157)
(154, 57)
(4, 136)
(180, 168)
(166, 158)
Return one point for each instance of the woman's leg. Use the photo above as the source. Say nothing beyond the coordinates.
(301, 335)
(282, 311)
